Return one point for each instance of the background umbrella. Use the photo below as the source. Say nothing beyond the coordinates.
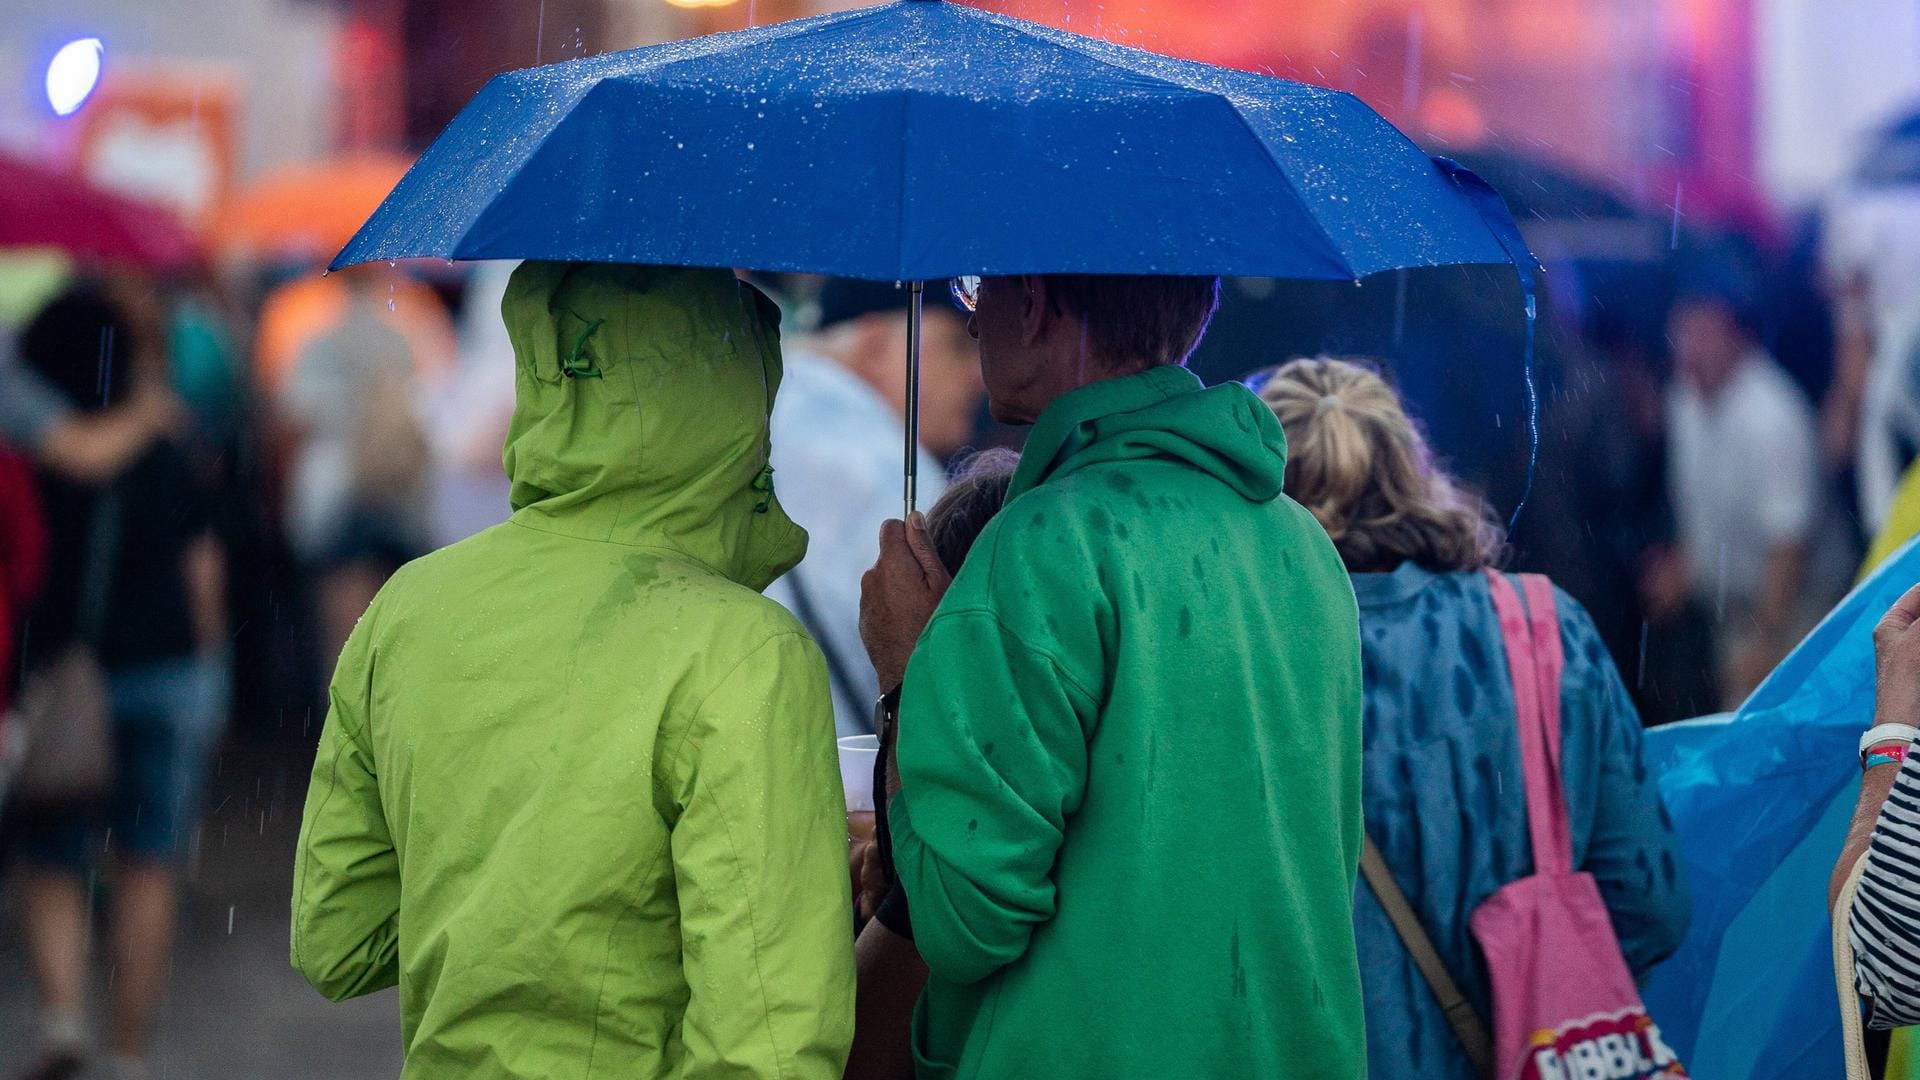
(306, 212)
(1565, 217)
(47, 209)
(1894, 158)
(921, 140)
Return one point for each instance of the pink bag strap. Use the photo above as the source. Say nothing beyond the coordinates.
(1534, 662)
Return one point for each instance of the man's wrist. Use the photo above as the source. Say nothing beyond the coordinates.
(1885, 755)
(886, 709)
(1886, 744)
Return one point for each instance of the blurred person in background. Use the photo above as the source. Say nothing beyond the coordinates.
(1871, 269)
(360, 458)
(1756, 528)
(1597, 502)
(838, 433)
(85, 447)
(310, 304)
(1874, 411)
(577, 793)
(1443, 795)
(135, 556)
(469, 408)
(204, 366)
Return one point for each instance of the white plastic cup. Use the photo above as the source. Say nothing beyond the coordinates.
(858, 755)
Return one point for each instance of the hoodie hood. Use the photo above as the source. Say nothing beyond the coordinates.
(1163, 412)
(642, 397)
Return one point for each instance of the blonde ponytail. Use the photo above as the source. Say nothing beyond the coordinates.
(1358, 463)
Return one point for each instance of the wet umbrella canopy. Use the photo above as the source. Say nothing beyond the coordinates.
(921, 140)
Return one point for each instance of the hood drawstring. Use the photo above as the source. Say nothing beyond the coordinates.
(577, 367)
(764, 485)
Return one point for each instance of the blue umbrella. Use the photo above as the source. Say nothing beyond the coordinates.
(921, 140)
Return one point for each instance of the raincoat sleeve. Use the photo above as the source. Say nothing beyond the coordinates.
(346, 899)
(993, 759)
(1632, 852)
(759, 848)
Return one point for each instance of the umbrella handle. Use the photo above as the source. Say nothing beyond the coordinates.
(912, 411)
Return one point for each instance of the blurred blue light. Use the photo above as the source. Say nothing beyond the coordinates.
(73, 73)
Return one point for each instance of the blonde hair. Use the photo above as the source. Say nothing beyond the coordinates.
(1357, 461)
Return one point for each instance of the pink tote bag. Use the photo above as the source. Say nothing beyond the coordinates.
(1564, 1003)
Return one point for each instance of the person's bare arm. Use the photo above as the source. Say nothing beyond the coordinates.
(95, 448)
(1773, 616)
(1786, 569)
(1853, 348)
(1896, 649)
(1875, 786)
(891, 976)
(205, 568)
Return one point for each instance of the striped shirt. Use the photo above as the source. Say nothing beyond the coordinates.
(1884, 923)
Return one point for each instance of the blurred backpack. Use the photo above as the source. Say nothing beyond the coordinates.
(391, 455)
(360, 376)
(61, 737)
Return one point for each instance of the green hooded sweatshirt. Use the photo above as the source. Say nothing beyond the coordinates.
(577, 791)
(1129, 816)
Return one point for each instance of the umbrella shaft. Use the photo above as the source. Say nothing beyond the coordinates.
(918, 289)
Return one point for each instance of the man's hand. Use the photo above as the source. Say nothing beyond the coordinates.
(863, 863)
(1896, 653)
(97, 447)
(898, 595)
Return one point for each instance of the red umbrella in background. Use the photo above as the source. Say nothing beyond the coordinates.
(40, 207)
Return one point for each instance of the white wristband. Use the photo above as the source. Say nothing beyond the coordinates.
(1880, 734)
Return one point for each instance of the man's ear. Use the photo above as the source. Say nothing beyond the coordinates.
(1035, 314)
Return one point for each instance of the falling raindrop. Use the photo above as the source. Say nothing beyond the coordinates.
(105, 376)
(539, 31)
(1640, 678)
(1720, 586)
(1416, 36)
(1673, 237)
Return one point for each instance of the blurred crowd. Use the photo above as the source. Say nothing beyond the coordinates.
(205, 478)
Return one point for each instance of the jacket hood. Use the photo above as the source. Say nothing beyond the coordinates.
(642, 397)
(1163, 412)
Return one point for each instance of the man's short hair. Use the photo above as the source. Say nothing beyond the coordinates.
(1159, 319)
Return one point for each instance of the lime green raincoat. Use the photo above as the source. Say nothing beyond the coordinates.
(577, 792)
